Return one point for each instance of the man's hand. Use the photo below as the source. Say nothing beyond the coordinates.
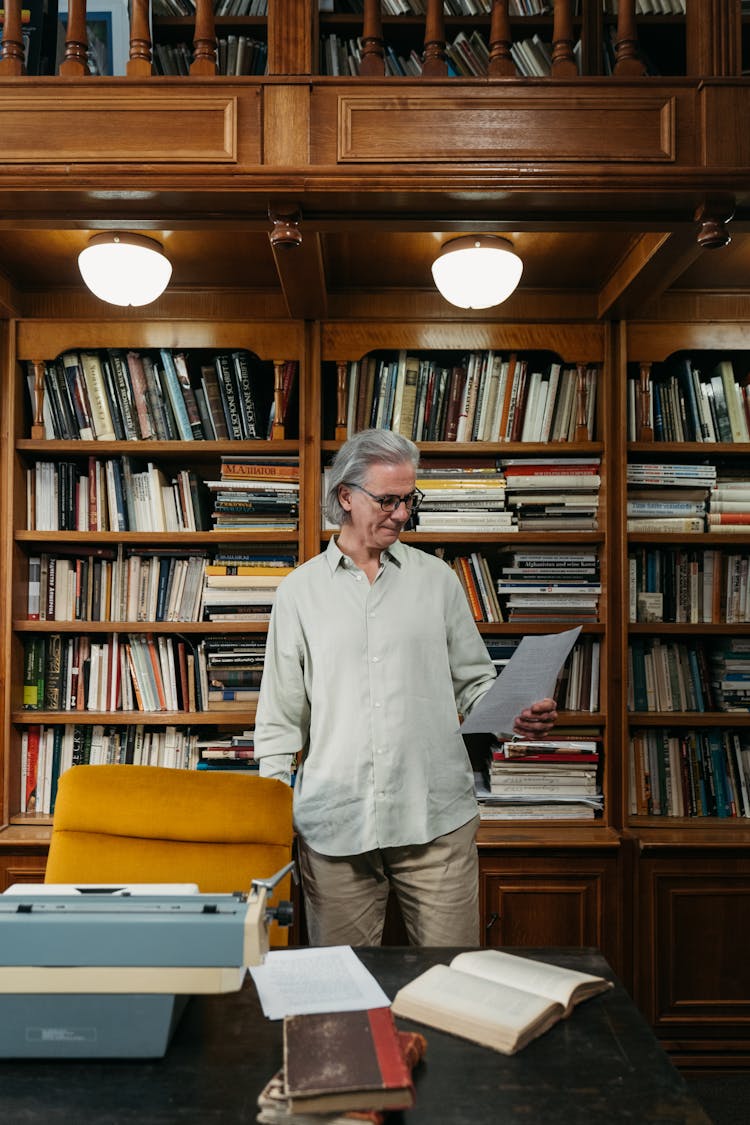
(536, 721)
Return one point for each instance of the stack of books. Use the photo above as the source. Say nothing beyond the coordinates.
(668, 498)
(230, 670)
(241, 587)
(554, 778)
(232, 753)
(552, 494)
(538, 585)
(256, 494)
(457, 500)
(729, 503)
(729, 661)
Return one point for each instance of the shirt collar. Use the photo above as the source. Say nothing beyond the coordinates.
(336, 557)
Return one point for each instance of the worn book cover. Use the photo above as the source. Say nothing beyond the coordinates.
(345, 1060)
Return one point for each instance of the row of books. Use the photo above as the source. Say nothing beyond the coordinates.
(235, 54)
(687, 403)
(556, 778)
(163, 394)
(463, 500)
(221, 7)
(689, 773)
(553, 494)
(688, 586)
(113, 494)
(137, 584)
(140, 672)
(47, 751)
(483, 396)
(689, 675)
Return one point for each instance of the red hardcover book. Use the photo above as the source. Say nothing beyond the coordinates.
(345, 1061)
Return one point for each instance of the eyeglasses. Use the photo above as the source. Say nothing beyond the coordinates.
(411, 501)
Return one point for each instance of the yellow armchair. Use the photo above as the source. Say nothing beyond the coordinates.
(145, 824)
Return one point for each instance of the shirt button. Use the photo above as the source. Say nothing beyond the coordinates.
(377, 705)
(359, 577)
(375, 659)
(380, 750)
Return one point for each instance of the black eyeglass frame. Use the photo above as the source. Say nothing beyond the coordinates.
(411, 501)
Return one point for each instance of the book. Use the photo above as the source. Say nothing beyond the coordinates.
(345, 1060)
(495, 998)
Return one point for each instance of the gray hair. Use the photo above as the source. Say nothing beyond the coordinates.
(356, 457)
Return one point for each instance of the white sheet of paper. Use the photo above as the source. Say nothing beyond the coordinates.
(328, 979)
(528, 676)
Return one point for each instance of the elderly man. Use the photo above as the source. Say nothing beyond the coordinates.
(372, 652)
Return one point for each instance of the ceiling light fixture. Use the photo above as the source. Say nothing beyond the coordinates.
(477, 271)
(124, 268)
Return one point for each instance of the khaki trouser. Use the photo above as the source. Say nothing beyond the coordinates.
(436, 884)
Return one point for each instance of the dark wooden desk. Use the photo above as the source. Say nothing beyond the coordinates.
(602, 1065)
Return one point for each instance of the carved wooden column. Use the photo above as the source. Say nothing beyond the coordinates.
(645, 430)
(563, 61)
(204, 39)
(435, 62)
(627, 62)
(373, 46)
(582, 403)
(501, 63)
(75, 61)
(278, 429)
(714, 215)
(713, 34)
(139, 62)
(37, 426)
(341, 388)
(11, 47)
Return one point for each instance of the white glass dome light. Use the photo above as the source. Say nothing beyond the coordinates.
(477, 271)
(124, 268)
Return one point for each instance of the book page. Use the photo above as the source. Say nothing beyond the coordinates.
(327, 979)
(485, 1011)
(529, 675)
(566, 986)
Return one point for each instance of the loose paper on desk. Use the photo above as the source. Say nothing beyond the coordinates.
(529, 675)
(329, 979)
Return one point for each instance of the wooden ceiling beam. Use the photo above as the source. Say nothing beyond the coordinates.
(653, 263)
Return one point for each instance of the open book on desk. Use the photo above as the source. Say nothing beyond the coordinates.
(495, 998)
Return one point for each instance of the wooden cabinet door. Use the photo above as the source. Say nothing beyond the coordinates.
(550, 900)
(693, 971)
(22, 867)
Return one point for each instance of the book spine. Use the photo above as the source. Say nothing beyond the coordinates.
(174, 394)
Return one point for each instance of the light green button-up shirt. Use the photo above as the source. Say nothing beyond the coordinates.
(368, 679)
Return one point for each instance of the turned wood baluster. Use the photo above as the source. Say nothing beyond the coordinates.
(645, 430)
(582, 403)
(373, 48)
(75, 61)
(435, 63)
(341, 386)
(501, 63)
(626, 44)
(204, 39)
(278, 431)
(40, 371)
(563, 62)
(139, 62)
(11, 47)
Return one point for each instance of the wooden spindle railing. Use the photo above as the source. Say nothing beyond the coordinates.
(373, 47)
(563, 60)
(582, 403)
(75, 60)
(342, 369)
(501, 63)
(204, 39)
(11, 47)
(39, 368)
(139, 62)
(645, 429)
(627, 62)
(435, 63)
